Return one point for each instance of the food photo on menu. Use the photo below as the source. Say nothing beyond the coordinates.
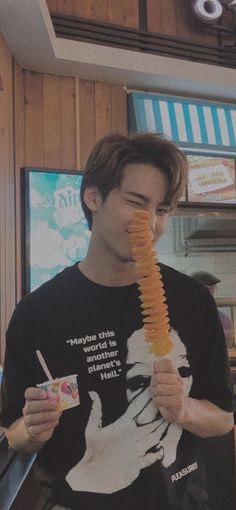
(211, 180)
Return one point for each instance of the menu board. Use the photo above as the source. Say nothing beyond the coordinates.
(211, 179)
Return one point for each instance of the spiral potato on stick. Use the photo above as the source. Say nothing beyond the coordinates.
(152, 295)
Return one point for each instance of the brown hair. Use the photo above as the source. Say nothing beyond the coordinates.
(109, 156)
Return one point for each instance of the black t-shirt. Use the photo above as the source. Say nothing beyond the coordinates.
(115, 450)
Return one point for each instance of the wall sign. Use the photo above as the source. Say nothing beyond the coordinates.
(56, 231)
(209, 11)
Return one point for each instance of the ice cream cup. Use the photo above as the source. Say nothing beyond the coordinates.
(64, 390)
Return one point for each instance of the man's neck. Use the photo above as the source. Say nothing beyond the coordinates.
(105, 273)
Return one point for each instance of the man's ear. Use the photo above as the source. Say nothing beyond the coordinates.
(92, 198)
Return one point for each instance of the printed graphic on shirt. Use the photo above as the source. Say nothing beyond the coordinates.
(101, 354)
(184, 472)
(115, 454)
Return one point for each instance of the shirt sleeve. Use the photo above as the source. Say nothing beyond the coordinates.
(18, 369)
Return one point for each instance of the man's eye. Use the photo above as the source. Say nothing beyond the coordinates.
(162, 212)
(135, 203)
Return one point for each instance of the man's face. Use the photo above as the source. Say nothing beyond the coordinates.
(212, 289)
(142, 187)
(139, 370)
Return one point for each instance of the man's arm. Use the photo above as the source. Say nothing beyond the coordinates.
(29, 433)
(200, 417)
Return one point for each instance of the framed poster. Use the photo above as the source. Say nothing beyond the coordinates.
(211, 179)
(56, 234)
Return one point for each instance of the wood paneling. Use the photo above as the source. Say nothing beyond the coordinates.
(161, 16)
(65, 116)
(99, 10)
(183, 13)
(168, 17)
(123, 13)
(52, 121)
(52, 5)
(34, 137)
(68, 123)
(83, 8)
(66, 6)
(102, 109)
(7, 196)
(85, 108)
(19, 149)
(119, 119)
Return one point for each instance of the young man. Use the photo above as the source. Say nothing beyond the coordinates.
(131, 442)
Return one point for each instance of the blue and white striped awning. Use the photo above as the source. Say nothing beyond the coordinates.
(183, 120)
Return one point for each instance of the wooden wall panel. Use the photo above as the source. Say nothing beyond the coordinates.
(124, 13)
(59, 128)
(168, 17)
(91, 9)
(85, 108)
(52, 5)
(68, 123)
(19, 149)
(99, 10)
(154, 16)
(67, 7)
(161, 16)
(2, 211)
(7, 196)
(102, 109)
(119, 120)
(51, 121)
(183, 13)
(83, 8)
(34, 136)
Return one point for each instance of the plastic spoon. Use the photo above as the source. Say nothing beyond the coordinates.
(44, 365)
